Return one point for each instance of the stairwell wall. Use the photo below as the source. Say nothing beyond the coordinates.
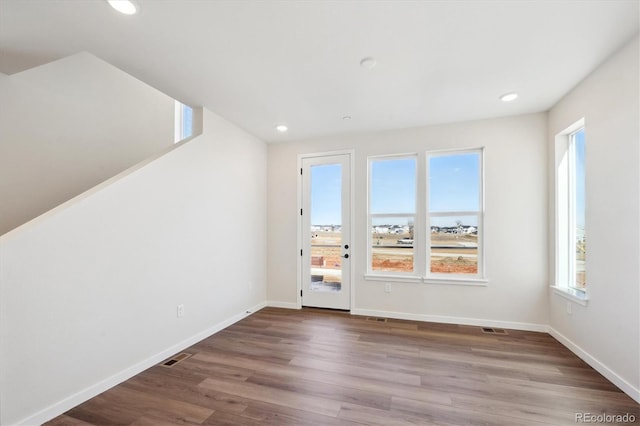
(70, 124)
(89, 291)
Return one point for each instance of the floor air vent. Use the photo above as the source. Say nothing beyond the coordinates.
(490, 330)
(175, 359)
(377, 319)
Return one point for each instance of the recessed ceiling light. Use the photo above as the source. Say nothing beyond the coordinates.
(368, 63)
(282, 128)
(346, 118)
(509, 97)
(127, 7)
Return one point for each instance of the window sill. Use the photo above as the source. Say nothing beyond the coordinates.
(474, 282)
(395, 278)
(576, 296)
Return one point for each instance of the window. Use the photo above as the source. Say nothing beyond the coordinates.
(430, 232)
(455, 213)
(392, 214)
(571, 238)
(184, 121)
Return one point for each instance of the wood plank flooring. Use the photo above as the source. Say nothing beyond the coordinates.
(315, 367)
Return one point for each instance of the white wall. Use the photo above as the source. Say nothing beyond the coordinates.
(88, 292)
(515, 223)
(607, 331)
(67, 126)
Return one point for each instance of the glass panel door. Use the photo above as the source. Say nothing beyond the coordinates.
(325, 231)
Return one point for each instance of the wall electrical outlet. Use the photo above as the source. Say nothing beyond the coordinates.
(180, 311)
(387, 288)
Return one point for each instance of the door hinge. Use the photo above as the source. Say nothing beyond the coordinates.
(300, 170)
(300, 212)
(300, 293)
(300, 252)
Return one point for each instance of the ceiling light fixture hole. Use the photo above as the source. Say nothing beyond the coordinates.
(368, 62)
(508, 97)
(126, 7)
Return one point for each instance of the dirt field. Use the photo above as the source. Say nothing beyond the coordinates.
(449, 254)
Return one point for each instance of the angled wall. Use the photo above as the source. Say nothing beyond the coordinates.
(67, 126)
(88, 291)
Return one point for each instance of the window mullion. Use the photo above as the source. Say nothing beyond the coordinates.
(421, 239)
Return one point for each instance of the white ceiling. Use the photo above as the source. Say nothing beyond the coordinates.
(261, 63)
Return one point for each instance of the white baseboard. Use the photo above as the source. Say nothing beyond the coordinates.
(621, 383)
(452, 320)
(106, 384)
(285, 305)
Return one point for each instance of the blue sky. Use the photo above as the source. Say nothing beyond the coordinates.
(325, 194)
(393, 184)
(580, 178)
(454, 182)
(453, 186)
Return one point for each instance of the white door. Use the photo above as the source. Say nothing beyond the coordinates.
(325, 232)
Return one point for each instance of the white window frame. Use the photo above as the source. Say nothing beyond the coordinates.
(422, 230)
(565, 236)
(404, 276)
(479, 277)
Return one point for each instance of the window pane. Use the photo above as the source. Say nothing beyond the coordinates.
(393, 185)
(326, 227)
(454, 244)
(454, 182)
(187, 121)
(579, 220)
(392, 244)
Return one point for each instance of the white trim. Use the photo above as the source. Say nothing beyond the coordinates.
(571, 294)
(299, 231)
(479, 214)
(417, 266)
(399, 156)
(352, 228)
(179, 128)
(564, 211)
(450, 151)
(299, 267)
(392, 215)
(396, 278)
(541, 328)
(177, 121)
(609, 374)
(66, 404)
(444, 280)
(284, 305)
(457, 280)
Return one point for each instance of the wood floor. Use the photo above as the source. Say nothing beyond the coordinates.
(314, 367)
